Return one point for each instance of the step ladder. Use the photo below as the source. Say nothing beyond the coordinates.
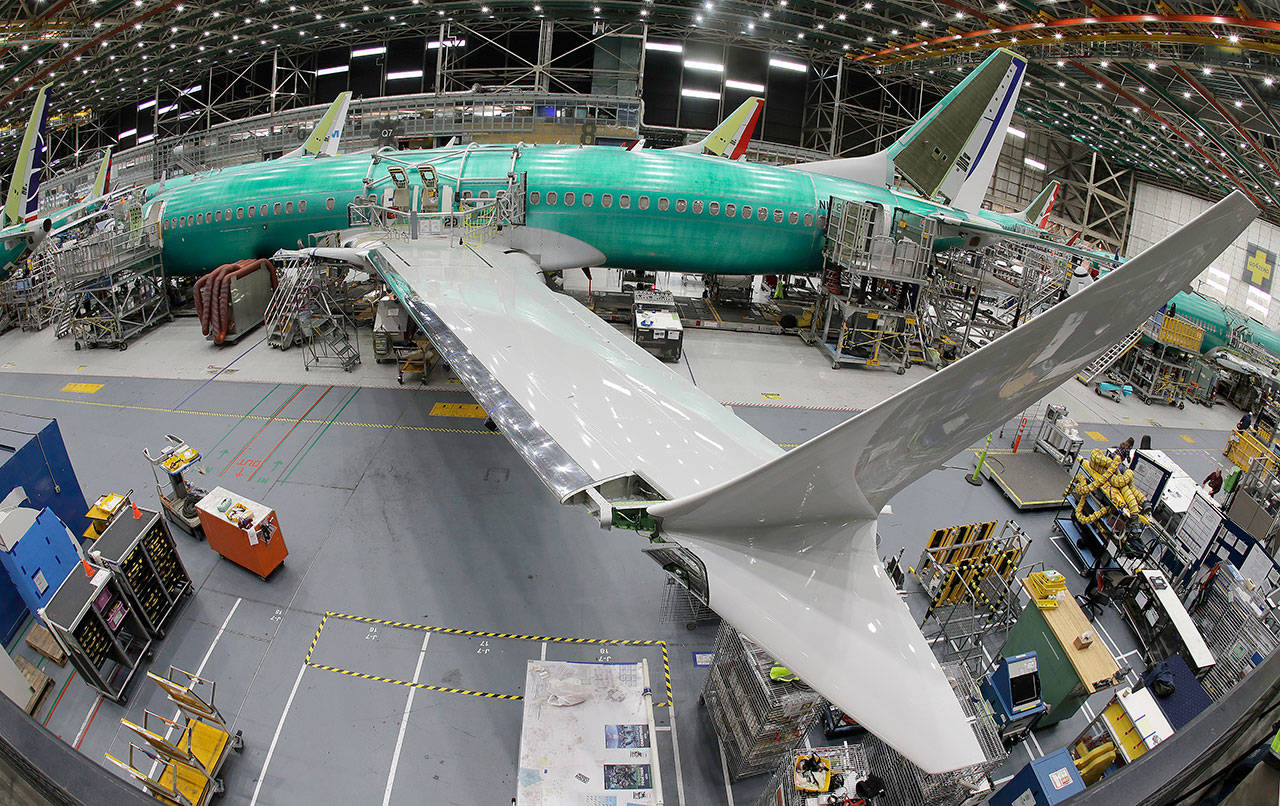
(281, 315)
(1103, 362)
(64, 311)
(325, 334)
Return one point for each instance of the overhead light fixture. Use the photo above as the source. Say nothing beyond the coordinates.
(668, 47)
(704, 94)
(1037, 164)
(380, 49)
(706, 67)
(783, 64)
(743, 85)
(328, 71)
(146, 104)
(404, 74)
(146, 138)
(164, 110)
(126, 133)
(1016, 132)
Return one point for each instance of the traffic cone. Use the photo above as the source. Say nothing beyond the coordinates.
(137, 513)
(89, 570)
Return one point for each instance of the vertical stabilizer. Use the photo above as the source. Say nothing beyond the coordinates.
(102, 182)
(324, 139)
(23, 201)
(731, 138)
(1037, 213)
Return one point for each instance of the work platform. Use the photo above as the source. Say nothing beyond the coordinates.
(615, 306)
(1030, 479)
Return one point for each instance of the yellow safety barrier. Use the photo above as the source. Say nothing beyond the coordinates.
(1181, 334)
(1243, 447)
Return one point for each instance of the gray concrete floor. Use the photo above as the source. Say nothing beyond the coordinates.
(392, 514)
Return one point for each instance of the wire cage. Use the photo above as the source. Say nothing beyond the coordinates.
(847, 761)
(679, 606)
(1236, 625)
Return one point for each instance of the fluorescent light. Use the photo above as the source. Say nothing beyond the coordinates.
(146, 138)
(1037, 164)
(706, 67)
(185, 115)
(404, 74)
(783, 64)
(146, 104)
(328, 71)
(190, 90)
(380, 49)
(164, 110)
(1019, 133)
(436, 44)
(743, 85)
(126, 133)
(690, 93)
(1252, 303)
(669, 47)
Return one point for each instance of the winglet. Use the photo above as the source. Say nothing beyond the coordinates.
(23, 201)
(102, 182)
(324, 139)
(731, 138)
(1037, 213)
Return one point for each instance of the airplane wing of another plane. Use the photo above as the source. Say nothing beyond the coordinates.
(974, 226)
(787, 539)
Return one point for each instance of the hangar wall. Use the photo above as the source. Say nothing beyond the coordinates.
(1239, 277)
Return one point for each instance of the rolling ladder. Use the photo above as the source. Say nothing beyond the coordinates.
(1112, 354)
(281, 316)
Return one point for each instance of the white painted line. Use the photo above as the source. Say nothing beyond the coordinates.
(85, 724)
(1054, 540)
(1088, 711)
(675, 749)
(1027, 746)
(262, 774)
(404, 721)
(724, 768)
(544, 651)
(662, 728)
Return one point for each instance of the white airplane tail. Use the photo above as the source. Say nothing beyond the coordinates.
(951, 152)
(324, 139)
(1037, 213)
(789, 547)
(731, 138)
(23, 201)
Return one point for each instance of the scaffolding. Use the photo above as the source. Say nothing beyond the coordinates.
(758, 719)
(1161, 364)
(30, 296)
(1236, 624)
(868, 308)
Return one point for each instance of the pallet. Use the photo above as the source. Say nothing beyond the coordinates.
(38, 680)
(41, 640)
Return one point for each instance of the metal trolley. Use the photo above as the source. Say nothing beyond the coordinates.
(147, 568)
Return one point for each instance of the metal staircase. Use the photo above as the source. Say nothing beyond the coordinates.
(302, 312)
(1113, 353)
(281, 317)
(325, 334)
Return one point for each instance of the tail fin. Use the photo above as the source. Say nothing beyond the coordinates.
(789, 548)
(23, 201)
(952, 151)
(731, 138)
(1037, 212)
(324, 139)
(102, 182)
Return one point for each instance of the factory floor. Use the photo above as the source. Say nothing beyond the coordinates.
(392, 514)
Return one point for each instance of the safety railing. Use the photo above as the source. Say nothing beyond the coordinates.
(472, 225)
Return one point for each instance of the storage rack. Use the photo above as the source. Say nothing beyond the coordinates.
(93, 622)
(908, 785)
(849, 760)
(758, 720)
(145, 561)
(679, 606)
(1232, 622)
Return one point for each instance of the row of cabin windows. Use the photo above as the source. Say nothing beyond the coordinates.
(241, 212)
(697, 206)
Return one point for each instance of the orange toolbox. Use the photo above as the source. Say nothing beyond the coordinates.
(245, 532)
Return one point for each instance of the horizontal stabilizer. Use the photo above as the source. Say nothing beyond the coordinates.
(789, 547)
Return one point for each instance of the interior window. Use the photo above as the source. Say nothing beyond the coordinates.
(808, 219)
(551, 197)
(730, 209)
(681, 205)
(697, 207)
(624, 201)
(794, 217)
(606, 200)
(328, 203)
(588, 199)
(484, 194)
(534, 197)
(663, 204)
(568, 198)
(466, 194)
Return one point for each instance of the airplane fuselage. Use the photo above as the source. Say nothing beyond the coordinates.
(646, 210)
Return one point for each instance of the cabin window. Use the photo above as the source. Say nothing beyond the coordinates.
(275, 209)
(822, 222)
(484, 194)
(200, 218)
(762, 213)
(328, 203)
(663, 204)
(644, 202)
(606, 200)
(568, 198)
(624, 201)
(217, 215)
(588, 199)
(551, 197)
(534, 197)
(777, 216)
(681, 205)
(808, 219)
(252, 210)
(227, 215)
(466, 194)
(288, 208)
(730, 209)
(746, 211)
(262, 210)
(239, 212)
(794, 218)
(697, 207)
(191, 221)
(302, 206)
(714, 208)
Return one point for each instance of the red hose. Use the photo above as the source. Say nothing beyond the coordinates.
(213, 295)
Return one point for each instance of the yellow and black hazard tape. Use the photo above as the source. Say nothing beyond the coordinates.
(662, 645)
(425, 686)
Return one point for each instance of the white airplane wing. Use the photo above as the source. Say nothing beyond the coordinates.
(787, 539)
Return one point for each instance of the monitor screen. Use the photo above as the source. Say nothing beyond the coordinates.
(1024, 689)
